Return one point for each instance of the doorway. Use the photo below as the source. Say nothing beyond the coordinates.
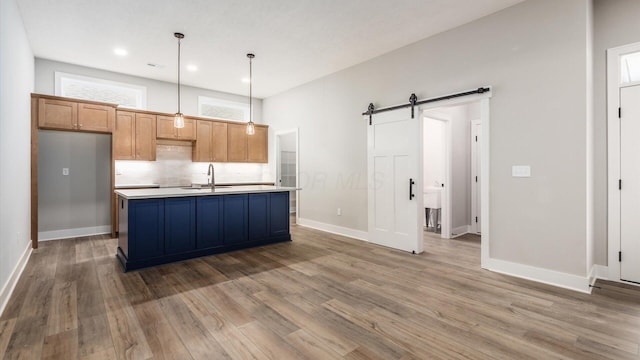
(287, 167)
(395, 171)
(623, 112)
(74, 184)
(451, 169)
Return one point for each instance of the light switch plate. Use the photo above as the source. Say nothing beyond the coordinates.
(521, 171)
(65, 171)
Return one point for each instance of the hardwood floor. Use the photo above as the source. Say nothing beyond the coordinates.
(321, 296)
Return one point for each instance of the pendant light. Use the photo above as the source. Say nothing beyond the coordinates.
(251, 129)
(178, 120)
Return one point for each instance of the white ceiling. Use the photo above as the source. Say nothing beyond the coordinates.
(295, 41)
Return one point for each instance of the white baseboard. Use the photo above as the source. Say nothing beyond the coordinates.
(460, 230)
(545, 276)
(598, 272)
(334, 229)
(8, 288)
(69, 233)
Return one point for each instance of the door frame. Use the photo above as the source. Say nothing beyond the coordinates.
(613, 157)
(277, 135)
(485, 119)
(475, 170)
(446, 208)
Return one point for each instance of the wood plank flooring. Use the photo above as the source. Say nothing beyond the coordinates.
(321, 296)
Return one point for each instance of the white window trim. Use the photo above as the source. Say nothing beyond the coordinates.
(141, 98)
(219, 102)
(622, 80)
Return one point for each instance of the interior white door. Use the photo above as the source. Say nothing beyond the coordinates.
(395, 180)
(476, 166)
(630, 190)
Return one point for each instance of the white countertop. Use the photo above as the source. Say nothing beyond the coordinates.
(182, 192)
(136, 186)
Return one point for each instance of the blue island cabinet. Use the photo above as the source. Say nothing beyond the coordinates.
(179, 225)
(279, 213)
(236, 220)
(209, 230)
(164, 230)
(259, 215)
(146, 225)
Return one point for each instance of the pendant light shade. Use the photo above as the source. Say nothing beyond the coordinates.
(251, 129)
(178, 120)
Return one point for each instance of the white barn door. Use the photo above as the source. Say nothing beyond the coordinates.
(395, 180)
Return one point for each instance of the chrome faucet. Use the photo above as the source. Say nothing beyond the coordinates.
(211, 182)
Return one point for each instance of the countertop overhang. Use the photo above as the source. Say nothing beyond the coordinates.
(133, 194)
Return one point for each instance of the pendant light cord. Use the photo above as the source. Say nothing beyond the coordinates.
(179, 74)
(250, 94)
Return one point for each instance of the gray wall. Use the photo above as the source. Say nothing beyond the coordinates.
(616, 24)
(534, 56)
(16, 72)
(81, 199)
(161, 96)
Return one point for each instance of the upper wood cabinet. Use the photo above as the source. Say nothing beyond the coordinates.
(257, 145)
(211, 142)
(73, 115)
(134, 137)
(166, 130)
(145, 137)
(247, 148)
(57, 114)
(124, 140)
(135, 132)
(236, 143)
(92, 117)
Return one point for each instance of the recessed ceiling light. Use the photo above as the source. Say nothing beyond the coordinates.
(192, 67)
(120, 51)
(245, 80)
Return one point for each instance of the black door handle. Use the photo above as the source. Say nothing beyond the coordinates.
(411, 183)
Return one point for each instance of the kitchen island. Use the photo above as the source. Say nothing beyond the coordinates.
(159, 226)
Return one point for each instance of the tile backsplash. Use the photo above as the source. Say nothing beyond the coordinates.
(173, 167)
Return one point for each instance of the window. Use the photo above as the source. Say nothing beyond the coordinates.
(222, 109)
(88, 88)
(630, 68)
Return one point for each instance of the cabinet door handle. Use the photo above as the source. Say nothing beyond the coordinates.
(411, 183)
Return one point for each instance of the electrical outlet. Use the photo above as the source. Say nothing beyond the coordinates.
(339, 212)
(65, 171)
